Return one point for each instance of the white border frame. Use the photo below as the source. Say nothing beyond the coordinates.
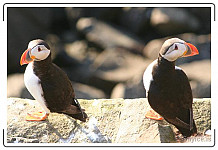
(213, 85)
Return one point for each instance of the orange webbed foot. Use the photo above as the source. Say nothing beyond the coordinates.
(151, 114)
(36, 116)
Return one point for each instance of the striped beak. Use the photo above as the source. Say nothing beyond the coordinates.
(191, 50)
(25, 58)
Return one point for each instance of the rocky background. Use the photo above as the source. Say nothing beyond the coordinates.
(105, 51)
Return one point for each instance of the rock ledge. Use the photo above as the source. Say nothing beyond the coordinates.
(110, 121)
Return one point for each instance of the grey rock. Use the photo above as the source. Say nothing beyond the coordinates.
(60, 128)
(77, 50)
(15, 84)
(107, 36)
(164, 134)
(201, 89)
(135, 128)
(83, 91)
(202, 114)
(199, 72)
(119, 65)
(118, 91)
(171, 21)
(204, 16)
(110, 14)
(81, 51)
(16, 87)
(21, 140)
(136, 19)
(131, 89)
(116, 65)
(110, 121)
(152, 48)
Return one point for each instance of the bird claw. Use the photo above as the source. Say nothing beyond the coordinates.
(36, 116)
(151, 114)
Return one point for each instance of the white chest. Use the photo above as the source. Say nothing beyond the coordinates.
(32, 83)
(147, 76)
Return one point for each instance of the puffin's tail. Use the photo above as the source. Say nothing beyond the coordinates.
(186, 132)
(184, 123)
(82, 116)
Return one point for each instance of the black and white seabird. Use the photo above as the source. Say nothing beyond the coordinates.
(48, 84)
(167, 86)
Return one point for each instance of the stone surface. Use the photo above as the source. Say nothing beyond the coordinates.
(12, 80)
(81, 51)
(60, 128)
(111, 14)
(110, 121)
(107, 36)
(202, 114)
(173, 21)
(137, 129)
(138, 19)
(152, 48)
(111, 67)
(204, 16)
(199, 74)
(77, 50)
(87, 92)
(119, 65)
(132, 89)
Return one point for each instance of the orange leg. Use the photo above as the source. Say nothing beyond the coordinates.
(36, 116)
(151, 114)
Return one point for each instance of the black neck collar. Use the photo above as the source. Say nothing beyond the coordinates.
(165, 64)
(43, 66)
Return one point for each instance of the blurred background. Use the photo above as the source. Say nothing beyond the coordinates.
(104, 51)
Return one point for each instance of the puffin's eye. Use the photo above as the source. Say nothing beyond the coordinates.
(39, 49)
(176, 47)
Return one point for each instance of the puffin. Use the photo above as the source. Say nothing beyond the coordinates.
(168, 89)
(48, 84)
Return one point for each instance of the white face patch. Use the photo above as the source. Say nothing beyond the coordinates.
(39, 52)
(175, 51)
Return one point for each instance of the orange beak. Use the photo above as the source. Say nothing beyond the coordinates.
(192, 50)
(25, 58)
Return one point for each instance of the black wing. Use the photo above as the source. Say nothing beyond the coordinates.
(185, 97)
(184, 116)
(57, 89)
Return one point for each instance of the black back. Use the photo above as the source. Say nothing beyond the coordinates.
(57, 88)
(170, 93)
